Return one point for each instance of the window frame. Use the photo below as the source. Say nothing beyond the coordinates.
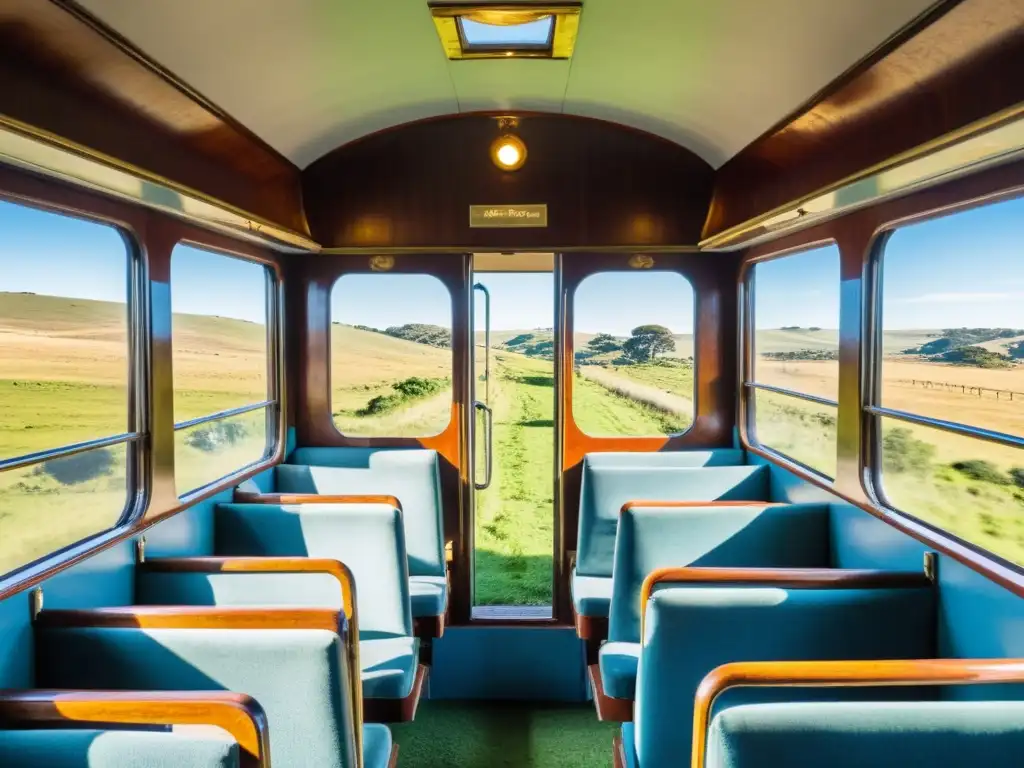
(273, 403)
(388, 440)
(872, 411)
(748, 354)
(571, 351)
(135, 438)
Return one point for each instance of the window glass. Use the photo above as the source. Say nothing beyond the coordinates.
(64, 379)
(391, 356)
(219, 336)
(796, 350)
(530, 33)
(634, 354)
(952, 338)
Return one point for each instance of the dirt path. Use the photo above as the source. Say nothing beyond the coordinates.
(643, 393)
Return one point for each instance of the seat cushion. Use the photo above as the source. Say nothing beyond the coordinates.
(628, 733)
(376, 746)
(194, 747)
(388, 666)
(880, 734)
(591, 595)
(429, 595)
(619, 663)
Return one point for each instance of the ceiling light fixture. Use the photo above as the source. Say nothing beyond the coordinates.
(508, 152)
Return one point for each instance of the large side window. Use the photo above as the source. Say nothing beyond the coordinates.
(634, 354)
(391, 356)
(67, 433)
(794, 385)
(948, 409)
(224, 384)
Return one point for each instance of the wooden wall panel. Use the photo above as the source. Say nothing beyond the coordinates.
(605, 185)
(64, 72)
(938, 78)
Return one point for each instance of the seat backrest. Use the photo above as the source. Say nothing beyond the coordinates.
(299, 676)
(198, 746)
(368, 538)
(606, 489)
(792, 535)
(713, 457)
(691, 630)
(882, 734)
(411, 475)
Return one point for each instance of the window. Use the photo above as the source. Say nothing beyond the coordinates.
(634, 354)
(528, 34)
(489, 31)
(68, 438)
(794, 384)
(391, 356)
(948, 412)
(224, 390)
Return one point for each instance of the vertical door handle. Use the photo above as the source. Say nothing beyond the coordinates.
(488, 444)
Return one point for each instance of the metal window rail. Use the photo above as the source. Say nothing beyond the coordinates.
(791, 393)
(1002, 438)
(28, 460)
(224, 414)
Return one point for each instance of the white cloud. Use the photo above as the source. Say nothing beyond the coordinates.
(959, 298)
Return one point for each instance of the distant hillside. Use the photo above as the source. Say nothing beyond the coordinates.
(364, 357)
(501, 338)
(979, 347)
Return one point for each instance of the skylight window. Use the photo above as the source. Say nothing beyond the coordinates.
(529, 35)
(507, 31)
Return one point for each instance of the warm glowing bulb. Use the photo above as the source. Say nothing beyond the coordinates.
(508, 154)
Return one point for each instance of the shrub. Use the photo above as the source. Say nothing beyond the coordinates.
(1017, 476)
(902, 452)
(416, 386)
(982, 470)
(79, 468)
(212, 436)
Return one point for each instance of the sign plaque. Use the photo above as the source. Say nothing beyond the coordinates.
(498, 216)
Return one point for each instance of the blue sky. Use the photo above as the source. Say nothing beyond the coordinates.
(966, 269)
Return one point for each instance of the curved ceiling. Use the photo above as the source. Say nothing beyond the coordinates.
(310, 75)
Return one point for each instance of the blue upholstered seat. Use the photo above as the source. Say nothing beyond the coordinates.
(370, 539)
(648, 538)
(606, 489)
(412, 475)
(190, 747)
(591, 595)
(299, 676)
(714, 457)
(691, 630)
(377, 745)
(879, 734)
(429, 595)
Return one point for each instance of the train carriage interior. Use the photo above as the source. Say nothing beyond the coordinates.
(602, 383)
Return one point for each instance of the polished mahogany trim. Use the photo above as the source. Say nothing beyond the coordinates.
(192, 617)
(242, 564)
(241, 716)
(246, 497)
(855, 234)
(933, 82)
(604, 185)
(429, 627)
(618, 752)
(68, 74)
(692, 504)
(821, 674)
(393, 760)
(397, 710)
(609, 709)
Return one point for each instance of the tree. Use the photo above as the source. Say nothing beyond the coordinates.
(602, 343)
(647, 341)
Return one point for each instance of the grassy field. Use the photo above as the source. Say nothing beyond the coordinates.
(64, 378)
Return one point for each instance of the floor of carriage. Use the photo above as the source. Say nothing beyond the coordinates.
(474, 734)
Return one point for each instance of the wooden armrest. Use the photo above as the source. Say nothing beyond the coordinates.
(238, 714)
(815, 674)
(656, 503)
(792, 578)
(245, 497)
(246, 564)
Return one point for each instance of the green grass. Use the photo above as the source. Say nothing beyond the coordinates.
(493, 734)
(598, 411)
